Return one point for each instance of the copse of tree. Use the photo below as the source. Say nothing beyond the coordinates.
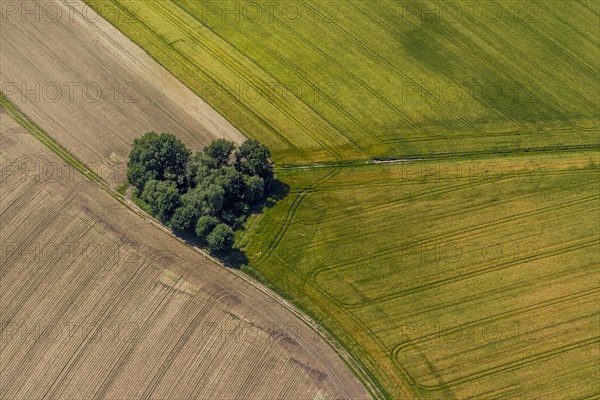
(161, 157)
(206, 224)
(218, 152)
(207, 194)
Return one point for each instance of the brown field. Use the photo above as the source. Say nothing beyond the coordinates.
(92, 89)
(97, 302)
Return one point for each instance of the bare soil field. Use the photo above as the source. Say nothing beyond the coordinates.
(97, 302)
(91, 88)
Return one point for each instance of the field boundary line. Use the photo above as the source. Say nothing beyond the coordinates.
(411, 158)
(192, 68)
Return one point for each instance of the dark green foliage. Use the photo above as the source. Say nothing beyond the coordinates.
(206, 224)
(208, 200)
(254, 189)
(252, 158)
(185, 218)
(156, 156)
(162, 197)
(207, 194)
(220, 240)
(218, 153)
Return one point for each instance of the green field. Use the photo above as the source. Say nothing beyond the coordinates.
(449, 279)
(470, 271)
(324, 81)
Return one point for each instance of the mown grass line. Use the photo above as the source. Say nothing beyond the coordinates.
(470, 155)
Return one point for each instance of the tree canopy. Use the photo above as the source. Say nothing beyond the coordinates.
(207, 194)
(162, 157)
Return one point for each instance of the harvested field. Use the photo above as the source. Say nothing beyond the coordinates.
(450, 279)
(98, 302)
(92, 89)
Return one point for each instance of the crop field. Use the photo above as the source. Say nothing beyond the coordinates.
(98, 302)
(442, 222)
(454, 279)
(470, 271)
(323, 81)
(92, 89)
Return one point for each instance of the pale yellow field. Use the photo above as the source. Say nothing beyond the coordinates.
(97, 302)
(94, 90)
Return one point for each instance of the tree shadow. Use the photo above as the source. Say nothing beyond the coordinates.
(236, 257)
(189, 238)
(278, 191)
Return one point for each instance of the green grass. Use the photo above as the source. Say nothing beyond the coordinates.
(354, 79)
(123, 188)
(443, 277)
